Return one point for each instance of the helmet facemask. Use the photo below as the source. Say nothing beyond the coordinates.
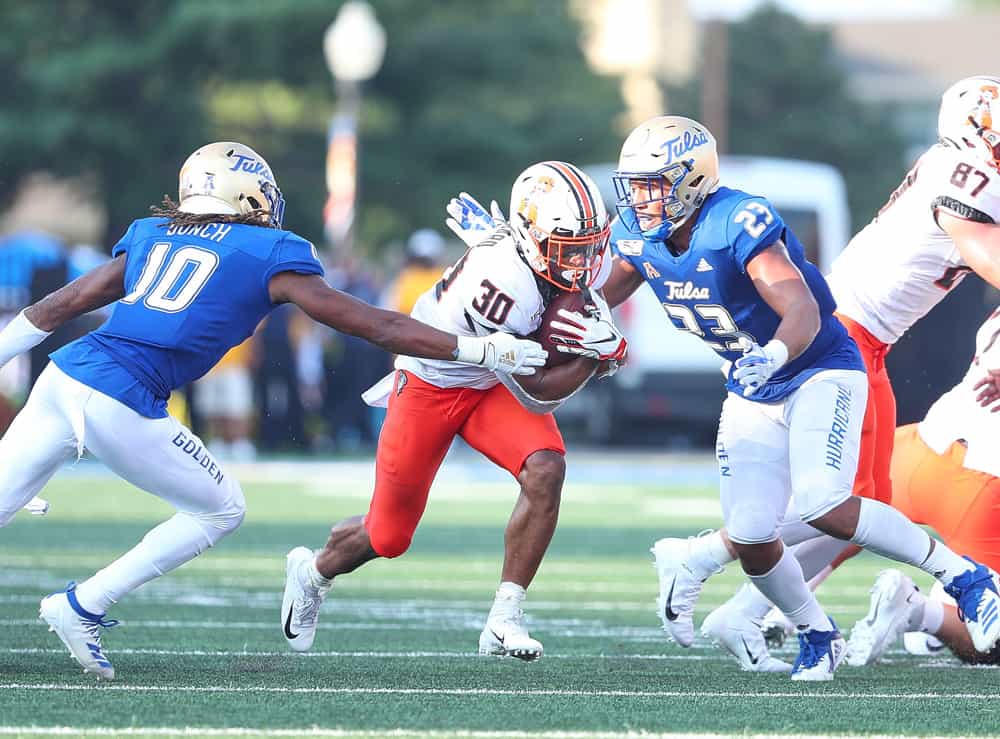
(639, 195)
(570, 260)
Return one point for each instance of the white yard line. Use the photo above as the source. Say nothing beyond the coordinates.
(687, 694)
(376, 733)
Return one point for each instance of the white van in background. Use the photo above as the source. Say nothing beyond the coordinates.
(672, 382)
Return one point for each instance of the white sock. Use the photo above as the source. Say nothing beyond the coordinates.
(750, 602)
(175, 541)
(816, 555)
(918, 611)
(932, 617)
(708, 555)
(784, 586)
(508, 598)
(884, 530)
(315, 578)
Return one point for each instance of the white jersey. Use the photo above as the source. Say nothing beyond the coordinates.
(957, 415)
(489, 289)
(902, 263)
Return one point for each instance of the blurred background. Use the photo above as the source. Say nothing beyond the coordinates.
(372, 115)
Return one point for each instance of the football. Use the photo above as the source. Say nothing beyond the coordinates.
(570, 301)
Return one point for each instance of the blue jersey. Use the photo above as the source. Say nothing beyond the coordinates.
(191, 294)
(706, 290)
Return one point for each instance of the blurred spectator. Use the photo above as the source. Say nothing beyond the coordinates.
(225, 404)
(424, 251)
(351, 366)
(44, 244)
(281, 417)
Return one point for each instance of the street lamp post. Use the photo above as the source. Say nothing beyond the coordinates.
(354, 45)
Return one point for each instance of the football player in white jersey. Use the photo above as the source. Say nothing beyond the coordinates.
(945, 474)
(939, 225)
(555, 241)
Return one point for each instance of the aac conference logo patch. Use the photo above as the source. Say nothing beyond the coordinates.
(629, 247)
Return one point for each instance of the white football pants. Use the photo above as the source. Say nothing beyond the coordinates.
(62, 418)
(806, 445)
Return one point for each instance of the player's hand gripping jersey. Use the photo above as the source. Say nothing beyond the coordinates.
(707, 292)
(902, 263)
(191, 294)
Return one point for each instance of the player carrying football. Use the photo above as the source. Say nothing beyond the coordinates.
(555, 241)
(190, 284)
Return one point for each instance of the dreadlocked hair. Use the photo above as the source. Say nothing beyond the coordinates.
(170, 210)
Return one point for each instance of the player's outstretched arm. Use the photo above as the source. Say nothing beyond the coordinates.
(978, 243)
(96, 289)
(401, 334)
(30, 327)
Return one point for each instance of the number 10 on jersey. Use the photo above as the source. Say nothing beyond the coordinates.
(173, 289)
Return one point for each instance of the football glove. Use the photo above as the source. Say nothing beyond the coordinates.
(501, 352)
(470, 222)
(758, 364)
(591, 336)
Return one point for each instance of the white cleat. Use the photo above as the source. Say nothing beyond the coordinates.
(37, 506)
(820, 654)
(776, 628)
(679, 588)
(301, 600)
(507, 636)
(78, 630)
(922, 644)
(741, 636)
(893, 598)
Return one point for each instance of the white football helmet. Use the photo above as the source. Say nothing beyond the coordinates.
(560, 223)
(668, 166)
(970, 109)
(229, 178)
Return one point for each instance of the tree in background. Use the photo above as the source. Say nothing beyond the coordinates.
(469, 94)
(788, 97)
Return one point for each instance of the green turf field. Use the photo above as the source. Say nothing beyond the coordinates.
(395, 654)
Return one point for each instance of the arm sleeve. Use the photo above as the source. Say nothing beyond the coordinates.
(124, 242)
(293, 254)
(753, 226)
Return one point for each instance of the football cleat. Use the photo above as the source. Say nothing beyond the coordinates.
(79, 630)
(975, 591)
(679, 588)
(301, 600)
(776, 628)
(921, 644)
(741, 636)
(820, 653)
(892, 603)
(507, 636)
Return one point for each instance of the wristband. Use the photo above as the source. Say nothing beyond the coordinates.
(777, 351)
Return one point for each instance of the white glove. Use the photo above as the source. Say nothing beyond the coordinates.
(758, 364)
(469, 221)
(37, 506)
(591, 336)
(501, 352)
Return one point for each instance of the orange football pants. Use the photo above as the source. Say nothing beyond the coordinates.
(419, 427)
(879, 426)
(962, 505)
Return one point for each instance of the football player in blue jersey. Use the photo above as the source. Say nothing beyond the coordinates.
(190, 284)
(728, 270)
